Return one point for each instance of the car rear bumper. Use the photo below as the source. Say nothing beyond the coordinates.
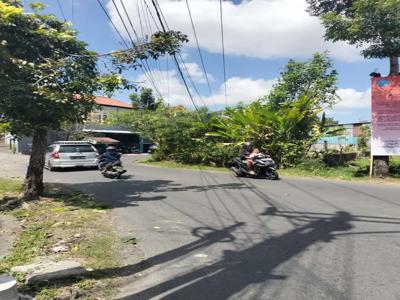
(73, 164)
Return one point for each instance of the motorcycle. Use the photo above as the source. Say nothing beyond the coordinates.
(112, 170)
(264, 167)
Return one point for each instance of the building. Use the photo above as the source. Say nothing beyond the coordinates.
(105, 107)
(348, 135)
(94, 127)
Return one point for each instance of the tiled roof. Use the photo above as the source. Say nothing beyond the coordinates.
(111, 102)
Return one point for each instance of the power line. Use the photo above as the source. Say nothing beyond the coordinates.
(150, 30)
(140, 19)
(112, 23)
(62, 11)
(151, 14)
(123, 40)
(153, 74)
(175, 59)
(199, 51)
(134, 44)
(191, 80)
(161, 15)
(223, 49)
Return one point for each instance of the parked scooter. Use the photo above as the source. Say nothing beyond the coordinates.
(112, 170)
(264, 167)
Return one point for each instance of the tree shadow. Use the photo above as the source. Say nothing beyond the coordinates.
(207, 236)
(236, 270)
(124, 193)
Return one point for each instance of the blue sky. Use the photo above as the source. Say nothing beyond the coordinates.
(260, 37)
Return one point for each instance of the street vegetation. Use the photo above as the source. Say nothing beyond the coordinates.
(48, 77)
(285, 123)
(76, 221)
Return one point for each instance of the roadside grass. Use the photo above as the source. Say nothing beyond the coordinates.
(9, 186)
(353, 170)
(74, 219)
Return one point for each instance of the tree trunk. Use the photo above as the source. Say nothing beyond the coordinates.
(33, 186)
(394, 65)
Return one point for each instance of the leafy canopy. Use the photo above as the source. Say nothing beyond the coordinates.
(315, 78)
(48, 76)
(372, 24)
(284, 123)
(145, 100)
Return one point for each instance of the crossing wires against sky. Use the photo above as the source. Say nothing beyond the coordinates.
(148, 20)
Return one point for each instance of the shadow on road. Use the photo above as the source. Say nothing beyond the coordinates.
(122, 193)
(256, 264)
(237, 269)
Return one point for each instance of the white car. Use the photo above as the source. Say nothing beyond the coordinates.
(71, 154)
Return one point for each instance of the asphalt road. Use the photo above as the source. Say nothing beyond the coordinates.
(213, 236)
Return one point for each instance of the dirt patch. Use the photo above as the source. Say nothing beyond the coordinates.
(9, 229)
(66, 225)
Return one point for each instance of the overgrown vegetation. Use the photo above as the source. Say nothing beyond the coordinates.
(73, 219)
(48, 77)
(284, 123)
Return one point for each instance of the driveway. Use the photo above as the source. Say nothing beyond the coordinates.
(213, 236)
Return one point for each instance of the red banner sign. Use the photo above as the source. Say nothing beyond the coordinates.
(385, 116)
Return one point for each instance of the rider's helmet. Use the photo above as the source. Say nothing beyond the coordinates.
(248, 144)
(111, 148)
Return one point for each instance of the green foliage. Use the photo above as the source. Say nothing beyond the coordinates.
(315, 78)
(286, 133)
(363, 139)
(319, 7)
(9, 186)
(372, 24)
(146, 100)
(43, 67)
(284, 124)
(30, 243)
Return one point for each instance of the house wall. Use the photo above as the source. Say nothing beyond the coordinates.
(100, 115)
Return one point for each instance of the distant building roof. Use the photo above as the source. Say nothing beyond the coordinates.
(104, 140)
(100, 100)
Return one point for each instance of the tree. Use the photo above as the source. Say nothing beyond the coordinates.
(134, 100)
(284, 123)
(48, 78)
(315, 78)
(146, 100)
(319, 7)
(371, 24)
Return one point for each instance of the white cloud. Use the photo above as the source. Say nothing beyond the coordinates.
(196, 73)
(239, 89)
(257, 28)
(353, 99)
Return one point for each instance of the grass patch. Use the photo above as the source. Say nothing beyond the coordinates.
(99, 251)
(175, 165)
(9, 186)
(47, 294)
(354, 170)
(74, 219)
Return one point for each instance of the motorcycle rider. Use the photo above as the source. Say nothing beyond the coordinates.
(109, 158)
(245, 155)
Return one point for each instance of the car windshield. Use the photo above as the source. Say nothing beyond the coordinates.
(76, 148)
